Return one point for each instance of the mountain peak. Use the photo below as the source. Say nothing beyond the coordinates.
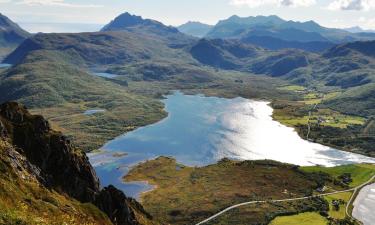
(11, 35)
(234, 17)
(6, 23)
(194, 28)
(126, 21)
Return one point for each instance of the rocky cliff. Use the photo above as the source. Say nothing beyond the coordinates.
(57, 165)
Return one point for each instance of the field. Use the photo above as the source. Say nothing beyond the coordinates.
(360, 173)
(327, 126)
(310, 218)
(295, 88)
(340, 212)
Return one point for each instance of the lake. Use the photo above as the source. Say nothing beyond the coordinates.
(364, 205)
(4, 65)
(93, 111)
(202, 130)
(105, 75)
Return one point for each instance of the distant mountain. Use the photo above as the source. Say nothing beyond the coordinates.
(234, 26)
(223, 54)
(287, 34)
(147, 27)
(273, 43)
(366, 48)
(358, 29)
(99, 48)
(195, 29)
(128, 22)
(351, 67)
(274, 26)
(10, 32)
(11, 35)
(234, 55)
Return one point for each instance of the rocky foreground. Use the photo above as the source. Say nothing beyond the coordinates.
(36, 159)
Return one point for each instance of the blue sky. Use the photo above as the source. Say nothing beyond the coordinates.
(330, 13)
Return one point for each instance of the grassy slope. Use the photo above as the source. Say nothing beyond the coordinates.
(23, 200)
(4, 51)
(188, 195)
(62, 93)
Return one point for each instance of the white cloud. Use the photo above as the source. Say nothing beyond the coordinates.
(298, 3)
(352, 5)
(367, 23)
(287, 3)
(362, 19)
(60, 3)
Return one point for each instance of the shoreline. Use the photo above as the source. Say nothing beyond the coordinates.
(133, 164)
(351, 206)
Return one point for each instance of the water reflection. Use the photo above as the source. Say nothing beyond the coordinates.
(364, 205)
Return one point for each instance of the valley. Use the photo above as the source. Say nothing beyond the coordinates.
(188, 121)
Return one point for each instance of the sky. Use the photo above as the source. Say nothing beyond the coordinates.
(89, 15)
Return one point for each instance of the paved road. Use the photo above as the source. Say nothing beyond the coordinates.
(288, 200)
(354, 195)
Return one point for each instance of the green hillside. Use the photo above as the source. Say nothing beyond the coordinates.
(63, 92)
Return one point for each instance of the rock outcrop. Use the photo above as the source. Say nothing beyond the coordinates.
(61, 166)
(111, 201)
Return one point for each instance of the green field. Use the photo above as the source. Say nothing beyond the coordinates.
(338, 214)
(360, 173)
(310, 218)
(295, 88)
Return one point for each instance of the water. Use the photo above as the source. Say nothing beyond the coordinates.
(201, 130)
(105, 75)
(364, 205)
(94, 111)
(111, 168)
(4, 65)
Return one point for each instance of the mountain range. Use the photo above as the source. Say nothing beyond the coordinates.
(254, 57)
(129, 40)
(357, 29)
(239, 27)
(274, 33)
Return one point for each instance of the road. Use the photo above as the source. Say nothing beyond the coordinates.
(288, 200)
(308, 122)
